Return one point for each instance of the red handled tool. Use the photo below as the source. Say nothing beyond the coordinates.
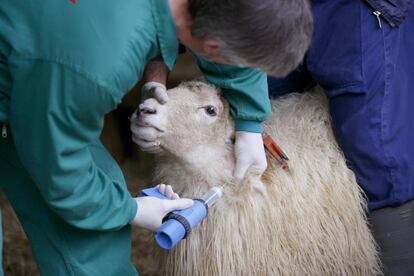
(274, 149)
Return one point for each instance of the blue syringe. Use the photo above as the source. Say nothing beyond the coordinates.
(178, 224)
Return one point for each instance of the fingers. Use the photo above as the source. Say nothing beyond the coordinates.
(240, 170)
(177, 204)
(161, 188)
(167, 190)
(242, 167)
(155, 90)
(160, 94)
(260, 167)
(250, 154)
(151, 210)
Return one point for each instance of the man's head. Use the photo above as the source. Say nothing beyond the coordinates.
(272, 35)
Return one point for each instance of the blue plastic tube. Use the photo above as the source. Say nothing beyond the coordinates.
(173, 231)
(180, 223)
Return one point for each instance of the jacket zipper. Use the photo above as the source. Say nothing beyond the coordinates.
(377, 13)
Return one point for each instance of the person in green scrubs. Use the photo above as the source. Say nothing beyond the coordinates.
(65, 64)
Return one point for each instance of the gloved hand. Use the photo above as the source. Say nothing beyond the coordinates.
(249, 151)
(155, 90)
(152, 210)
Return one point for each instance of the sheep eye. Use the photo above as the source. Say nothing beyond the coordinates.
(211, 110)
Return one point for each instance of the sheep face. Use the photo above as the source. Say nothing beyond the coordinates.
(195, 122)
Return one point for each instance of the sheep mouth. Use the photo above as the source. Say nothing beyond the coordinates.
(141, 121)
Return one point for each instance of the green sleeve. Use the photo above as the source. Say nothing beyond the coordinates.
(244, 88)
(56, 115)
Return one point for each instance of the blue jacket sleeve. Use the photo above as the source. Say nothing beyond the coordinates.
(56, 114)
(298, 80)
(244, 88)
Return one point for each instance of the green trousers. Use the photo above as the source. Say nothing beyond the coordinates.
(59, 248)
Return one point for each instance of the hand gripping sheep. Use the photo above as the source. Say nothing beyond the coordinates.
(308, 220)
(178, 224)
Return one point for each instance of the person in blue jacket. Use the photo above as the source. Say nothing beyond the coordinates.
(65, 64)
(362, 54)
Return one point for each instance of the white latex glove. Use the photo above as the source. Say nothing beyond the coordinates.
(249, 151)
(152, 210)
(155, 90)
(146, 130)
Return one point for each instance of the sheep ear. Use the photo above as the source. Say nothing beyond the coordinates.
(228, 122)
(232, 138)
(231, 134)
(219, 92)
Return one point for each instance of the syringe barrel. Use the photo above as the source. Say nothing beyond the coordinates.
(212, 196)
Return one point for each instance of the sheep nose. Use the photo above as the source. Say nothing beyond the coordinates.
(146, 108)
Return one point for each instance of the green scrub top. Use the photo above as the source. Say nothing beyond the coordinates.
(64, 65)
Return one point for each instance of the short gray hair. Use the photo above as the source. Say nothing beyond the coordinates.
(272, 35)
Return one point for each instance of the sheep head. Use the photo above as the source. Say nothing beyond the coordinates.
(197, 129)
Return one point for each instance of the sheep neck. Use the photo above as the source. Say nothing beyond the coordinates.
(192, 176)
(205, 165)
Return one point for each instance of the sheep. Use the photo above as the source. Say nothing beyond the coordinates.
(309, 220)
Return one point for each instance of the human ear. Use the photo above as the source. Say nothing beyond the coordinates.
(211, 46)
